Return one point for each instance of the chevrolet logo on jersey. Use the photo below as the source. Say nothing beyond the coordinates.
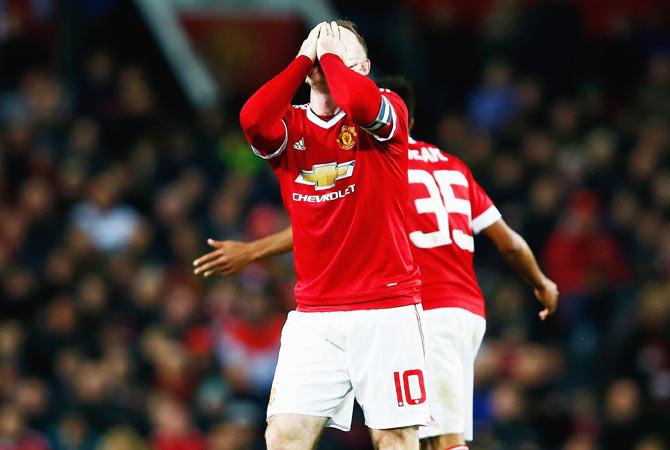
(324, 176)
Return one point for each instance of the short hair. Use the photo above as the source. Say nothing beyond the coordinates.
(403, 87)
(349, 25)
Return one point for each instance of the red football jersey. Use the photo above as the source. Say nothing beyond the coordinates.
(446, 208)
(345, 190)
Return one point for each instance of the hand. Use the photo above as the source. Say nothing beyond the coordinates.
(330, 40)
(308, 47)
(228, 258)
(548, 296)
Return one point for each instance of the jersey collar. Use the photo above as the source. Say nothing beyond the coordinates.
(324, 123)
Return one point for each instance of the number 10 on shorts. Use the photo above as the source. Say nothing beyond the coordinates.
(406, 383)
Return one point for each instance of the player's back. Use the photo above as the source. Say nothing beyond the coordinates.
(446, 208)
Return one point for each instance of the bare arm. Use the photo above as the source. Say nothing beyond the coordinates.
(229, 257)
(518, 254)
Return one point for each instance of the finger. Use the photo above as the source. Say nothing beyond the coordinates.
(544, 314)
(199, 271)
(319, 31)
(315, 31)
(213, 243)
(220, 272)
(323, 29)
(207, 257)
(336, 30)
(210, 265)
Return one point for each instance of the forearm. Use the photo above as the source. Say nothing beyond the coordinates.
(275, 244)
(522, 259)
(356, 94)
(518, 254)
(261, 115)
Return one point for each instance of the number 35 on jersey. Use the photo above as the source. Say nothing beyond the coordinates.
(442, 201)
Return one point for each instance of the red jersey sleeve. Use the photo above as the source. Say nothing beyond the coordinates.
(391, 121)
(484, 212)
(376, 110)
(263, 116)
(356, 94)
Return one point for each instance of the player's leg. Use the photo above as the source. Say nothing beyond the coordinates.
(406, 438)
(444, 341)
(453, 337)
(311, 387)
(293, 431)
(444, 442)
(387, 367)
(477, 328)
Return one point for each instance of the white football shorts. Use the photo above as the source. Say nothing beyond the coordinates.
(453, 337)
(376, 356)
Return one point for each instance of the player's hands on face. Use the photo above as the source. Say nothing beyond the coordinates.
(330, 41)
(308, 47)
(227, 258)
(548, 296)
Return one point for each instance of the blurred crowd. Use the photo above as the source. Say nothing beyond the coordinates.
(108, 342)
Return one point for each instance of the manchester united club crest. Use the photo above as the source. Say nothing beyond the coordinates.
(347, 138)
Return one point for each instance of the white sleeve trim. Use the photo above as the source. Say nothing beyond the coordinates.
(394, 123)
(485, 219)
(383, 116)
(278, 152)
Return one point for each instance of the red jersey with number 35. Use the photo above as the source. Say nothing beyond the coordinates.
(446, 208)
(345, 190)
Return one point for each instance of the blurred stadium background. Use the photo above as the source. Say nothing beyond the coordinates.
(120, 153)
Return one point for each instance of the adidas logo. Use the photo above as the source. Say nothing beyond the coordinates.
(300, 145)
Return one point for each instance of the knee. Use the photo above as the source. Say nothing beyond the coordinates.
(396, 439)
(451, 441)
(281, 438)
(293, 432)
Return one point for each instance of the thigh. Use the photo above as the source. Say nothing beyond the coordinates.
(293, 431)
(311, 377)
(387, 367)
(446, 368)
(475, 326)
